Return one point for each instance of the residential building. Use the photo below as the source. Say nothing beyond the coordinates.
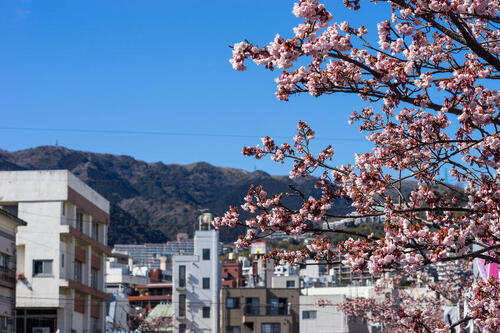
(259, 310)
(60, 252)
(232, 273)
(149, 254)
(197, 283)
(148, 295)
(8, 226)
(327, 318)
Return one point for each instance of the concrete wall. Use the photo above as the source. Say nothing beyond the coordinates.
(40, 242)
(328, 319)
(281, 281)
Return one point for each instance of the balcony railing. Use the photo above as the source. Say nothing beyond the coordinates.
(7, 275)
(270, 310)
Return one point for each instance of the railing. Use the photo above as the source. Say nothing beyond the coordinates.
(271, 310)
(7, 275)
(277, 310)
(251, 309)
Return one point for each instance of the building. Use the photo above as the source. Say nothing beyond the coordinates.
(149, 295)
(8, 226)
(196, 281)
(285, 281)
(314, 318)
(259, 310)
(232, 274)
(149, 255)
(60, 252)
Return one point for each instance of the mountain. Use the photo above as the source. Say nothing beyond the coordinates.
(152, 202)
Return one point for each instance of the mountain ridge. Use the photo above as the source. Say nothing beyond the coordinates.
(152, 202)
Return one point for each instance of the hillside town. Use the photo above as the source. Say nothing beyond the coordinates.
(69, 280)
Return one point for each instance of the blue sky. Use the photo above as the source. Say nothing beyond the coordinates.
(157, 67)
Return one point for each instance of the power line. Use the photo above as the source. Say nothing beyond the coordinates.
(157, 133)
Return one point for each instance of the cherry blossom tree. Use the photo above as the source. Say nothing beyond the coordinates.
(431, 105)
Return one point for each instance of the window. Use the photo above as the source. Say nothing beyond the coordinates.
(94, 278)
(4, 260)
(252, 306)
(78, 271)
(206, 283)
(206, 312)
(271, 328)
(182, 276)
(63, 208)
(206, 254)
(277, 306)
(42, 267)
(182, 328)
(309, 314)
(290, 284)
(182, 305)
(232, 303)
(79, 221)
(95, 231)
(62, 260)
(234, 329)
(4, 324)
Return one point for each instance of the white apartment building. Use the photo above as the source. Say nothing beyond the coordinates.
(60, 252)
(196, 282)
(327, 319)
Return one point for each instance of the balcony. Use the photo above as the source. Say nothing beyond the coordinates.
(7, 277)
(69, 230)
(250, 311)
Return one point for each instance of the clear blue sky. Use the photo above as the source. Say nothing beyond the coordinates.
(156, 66)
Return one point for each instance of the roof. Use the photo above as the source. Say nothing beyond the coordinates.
(161, 310)
(13, 217)
(161, 316)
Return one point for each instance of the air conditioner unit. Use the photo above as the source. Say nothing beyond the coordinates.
(40, 330)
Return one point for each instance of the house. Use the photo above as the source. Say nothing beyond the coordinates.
(60, 252)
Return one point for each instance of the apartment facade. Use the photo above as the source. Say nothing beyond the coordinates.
(60, 252)
(8, 226)
(196, 282)
(327, 319)
(259, 310)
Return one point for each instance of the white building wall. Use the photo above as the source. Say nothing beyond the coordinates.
(328, 318)
(40, 242)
